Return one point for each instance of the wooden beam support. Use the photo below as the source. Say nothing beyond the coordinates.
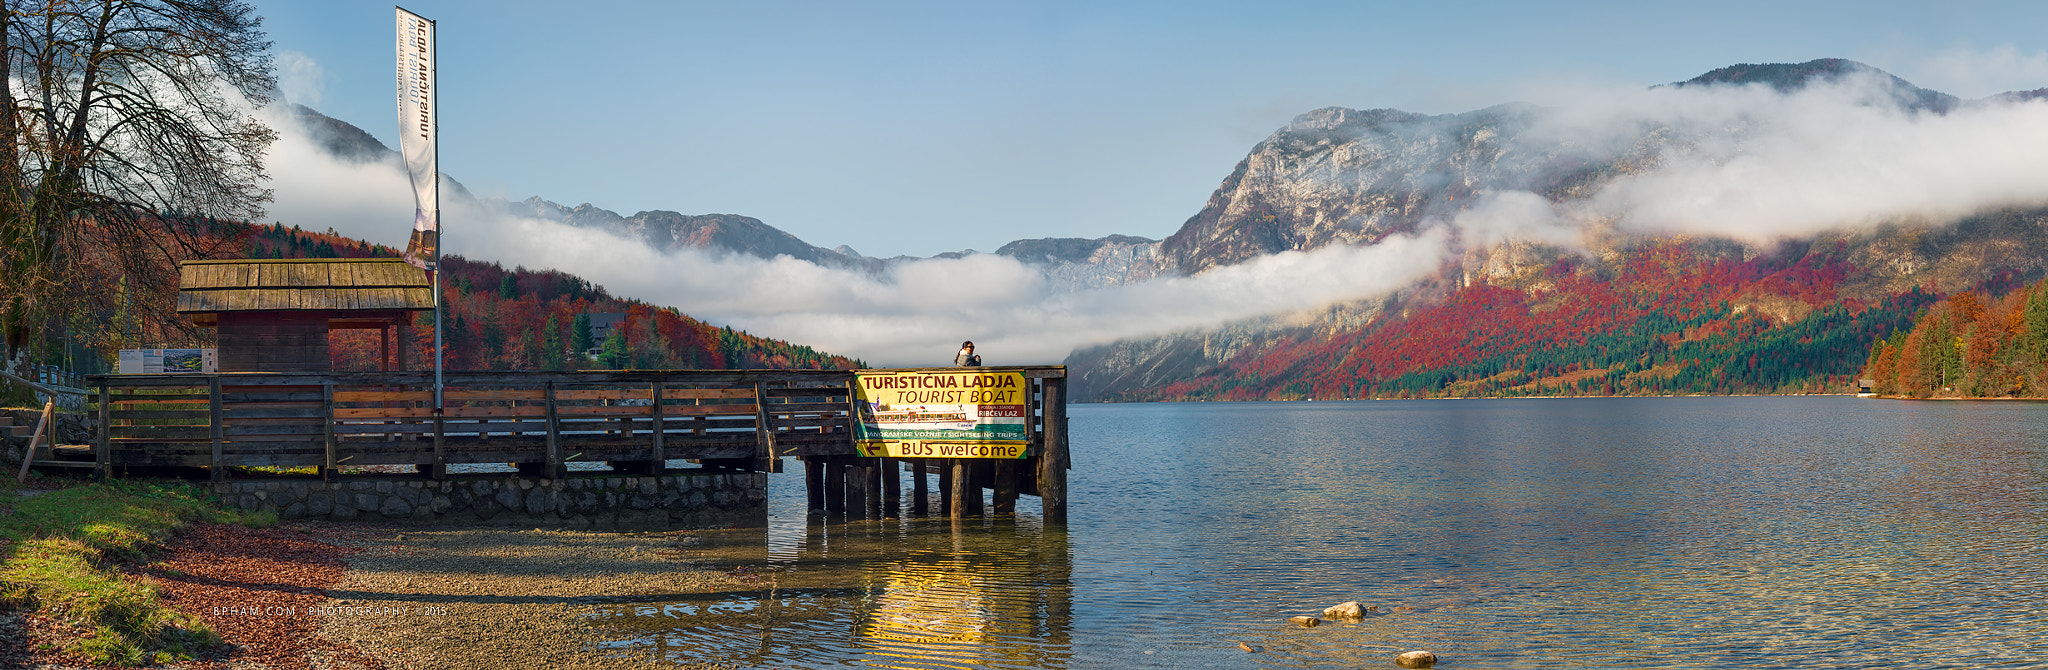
(35, 439)
(770, 459)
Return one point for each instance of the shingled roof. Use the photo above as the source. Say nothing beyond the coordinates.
(335, 284)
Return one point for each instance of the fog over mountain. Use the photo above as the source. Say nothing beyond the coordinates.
(1320, 221)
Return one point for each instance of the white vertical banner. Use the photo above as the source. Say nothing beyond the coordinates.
(416, 138)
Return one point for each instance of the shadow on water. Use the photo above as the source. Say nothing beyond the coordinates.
(909, 593)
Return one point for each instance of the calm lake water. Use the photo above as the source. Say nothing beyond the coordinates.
(1626, 532)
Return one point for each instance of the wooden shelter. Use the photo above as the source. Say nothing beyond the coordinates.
(275, 315)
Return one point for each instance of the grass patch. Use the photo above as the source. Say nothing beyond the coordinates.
(63, 549)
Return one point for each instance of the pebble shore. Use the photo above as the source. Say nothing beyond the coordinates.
(495, 598)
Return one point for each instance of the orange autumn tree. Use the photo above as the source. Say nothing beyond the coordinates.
(1969, 345)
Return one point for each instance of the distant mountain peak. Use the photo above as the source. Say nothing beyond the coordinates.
(1789, 77)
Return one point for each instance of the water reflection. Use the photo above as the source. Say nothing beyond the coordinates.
(1652, 533)
(911, 593)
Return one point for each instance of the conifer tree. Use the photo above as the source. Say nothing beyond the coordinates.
(579, 334)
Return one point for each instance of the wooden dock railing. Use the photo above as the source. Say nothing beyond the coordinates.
(634, 420)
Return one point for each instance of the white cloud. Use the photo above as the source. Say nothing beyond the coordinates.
(300, 78)
(1747, 162)
(1751, 163)
(1976, 73)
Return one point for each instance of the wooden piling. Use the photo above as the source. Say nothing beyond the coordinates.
(966, 492)
(945, 491)
(918, 504)
(1006, 486)
(835, 486)
(874, 487)
(1052, 464)
(857, 490)
(892, 488)
(814, 485)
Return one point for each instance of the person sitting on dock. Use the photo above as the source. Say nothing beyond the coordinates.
(966, 357)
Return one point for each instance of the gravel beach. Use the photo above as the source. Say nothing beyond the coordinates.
(494, 598)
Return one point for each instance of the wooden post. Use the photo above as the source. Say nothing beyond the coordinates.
(814, 484)
(769, 459)
(384, 349)
(962, 489)
(554, 464)
(918, 505)
(327, 427)
(835, 485)
(945, 485)
(35, 439)
(1006, 486)
(892, 488)
(403, 337)
(857, 489)
(102, 469)
(977, 471)
(659, 462)
(213, 426)
(1052, 465)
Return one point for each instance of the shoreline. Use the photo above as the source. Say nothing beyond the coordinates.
(323, 595)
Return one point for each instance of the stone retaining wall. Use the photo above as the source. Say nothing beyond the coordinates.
(578, 502)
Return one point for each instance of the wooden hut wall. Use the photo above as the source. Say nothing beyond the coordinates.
(278, 341)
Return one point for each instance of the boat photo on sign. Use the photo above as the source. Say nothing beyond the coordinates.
(920, 414)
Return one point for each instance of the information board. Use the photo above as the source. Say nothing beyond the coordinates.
(159, 361)
(941, 414)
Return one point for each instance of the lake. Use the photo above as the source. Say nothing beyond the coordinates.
(1621, 532)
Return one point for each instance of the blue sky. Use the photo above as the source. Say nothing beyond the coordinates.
(916, 128)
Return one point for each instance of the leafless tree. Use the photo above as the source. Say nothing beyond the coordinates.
(130, 146)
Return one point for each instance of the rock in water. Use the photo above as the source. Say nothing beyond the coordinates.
(1305, 621)
(1415, 659)
(1248, 648)
(1347, 610)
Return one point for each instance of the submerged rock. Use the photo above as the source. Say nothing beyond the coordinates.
(1415, 659)
(1305, 621)
(1348, 610)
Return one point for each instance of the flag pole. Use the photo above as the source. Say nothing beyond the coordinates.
(434, 103)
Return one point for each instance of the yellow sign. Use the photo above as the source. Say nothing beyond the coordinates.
(941, 414)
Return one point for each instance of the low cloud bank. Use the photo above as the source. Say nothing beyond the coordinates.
(1744, 162)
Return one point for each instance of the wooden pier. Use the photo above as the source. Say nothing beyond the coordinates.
(634, 421)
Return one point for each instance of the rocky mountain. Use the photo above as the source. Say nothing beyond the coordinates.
(668, 231)
(1344, 176)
